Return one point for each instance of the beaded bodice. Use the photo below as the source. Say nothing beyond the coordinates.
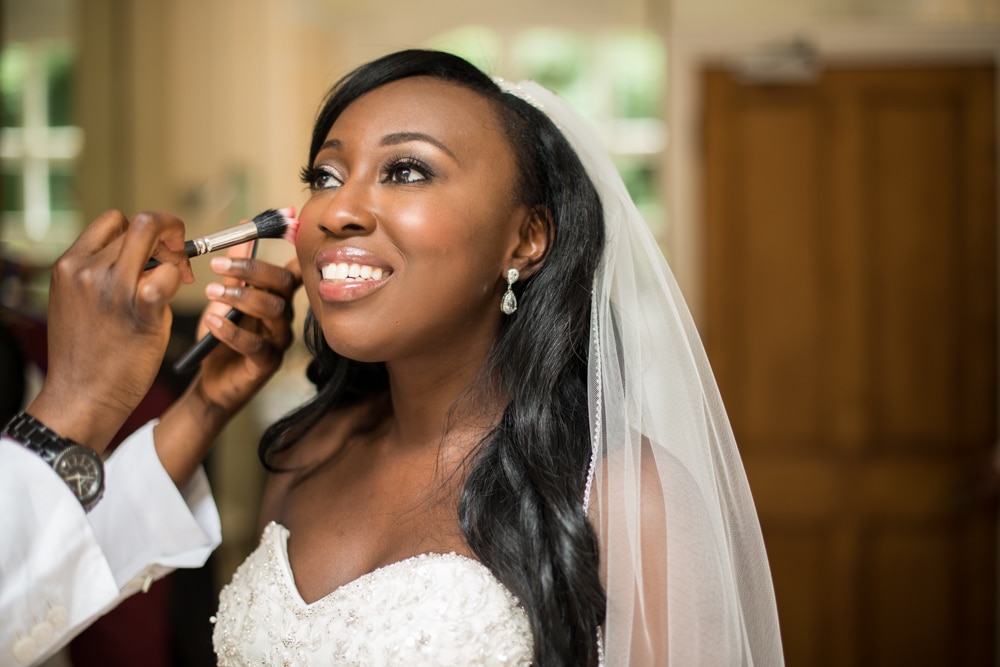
(431, 609)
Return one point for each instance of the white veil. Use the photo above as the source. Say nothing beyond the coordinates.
(682, 560)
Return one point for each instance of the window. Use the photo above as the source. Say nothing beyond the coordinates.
(616, 78)
(39, 145)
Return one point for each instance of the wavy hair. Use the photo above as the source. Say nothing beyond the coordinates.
(521, 504)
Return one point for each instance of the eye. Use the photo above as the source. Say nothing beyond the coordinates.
(407, 170)
(320, 178)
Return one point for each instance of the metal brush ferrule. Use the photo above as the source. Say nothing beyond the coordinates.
(226, 238)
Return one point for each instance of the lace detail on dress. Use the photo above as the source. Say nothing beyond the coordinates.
(431, 609)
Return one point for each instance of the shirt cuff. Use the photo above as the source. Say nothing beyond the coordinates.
(145, 525)
(54, 578)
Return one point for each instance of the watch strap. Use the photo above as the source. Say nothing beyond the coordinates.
(49, 445)
(36, 436)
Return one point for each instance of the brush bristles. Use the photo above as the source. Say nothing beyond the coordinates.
(276, 224)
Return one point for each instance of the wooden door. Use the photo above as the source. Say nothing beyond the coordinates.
(851, 318)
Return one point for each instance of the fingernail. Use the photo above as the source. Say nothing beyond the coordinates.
(214, 290)
(213, 320)
(221, 263)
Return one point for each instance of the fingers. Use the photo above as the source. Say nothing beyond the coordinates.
(98, 234)
(258, 289)
(159, 235)
(261, 342)
(253, 302)
(100, 268)
(154, 234)
(270, 288)
(243, 341)
(264, 276)
(155, 291)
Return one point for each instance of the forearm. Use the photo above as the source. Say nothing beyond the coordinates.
(186, 432)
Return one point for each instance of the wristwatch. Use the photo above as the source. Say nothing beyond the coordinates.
(80, 467)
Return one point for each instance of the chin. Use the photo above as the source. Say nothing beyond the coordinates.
(367, 354)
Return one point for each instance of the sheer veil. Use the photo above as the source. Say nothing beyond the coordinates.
(683, 561)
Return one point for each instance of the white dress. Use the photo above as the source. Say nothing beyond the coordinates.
(431, 609)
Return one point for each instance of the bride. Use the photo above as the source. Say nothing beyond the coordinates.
(516, 453)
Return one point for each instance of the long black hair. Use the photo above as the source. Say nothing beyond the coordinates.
(521, 505)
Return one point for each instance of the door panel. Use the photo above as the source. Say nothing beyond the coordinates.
(850, 316)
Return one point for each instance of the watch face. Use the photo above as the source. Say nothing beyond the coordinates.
(82, 470)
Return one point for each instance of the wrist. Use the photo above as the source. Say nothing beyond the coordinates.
(187, 431)
(204, 409)
(89, 422)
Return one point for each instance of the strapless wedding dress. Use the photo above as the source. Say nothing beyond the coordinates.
(431, 609)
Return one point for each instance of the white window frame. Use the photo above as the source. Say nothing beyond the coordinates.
(36, 147)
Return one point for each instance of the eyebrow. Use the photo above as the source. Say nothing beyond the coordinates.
(404, 137)
(395, 139)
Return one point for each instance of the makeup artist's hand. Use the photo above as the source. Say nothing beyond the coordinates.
(248, 355)
(108, 323)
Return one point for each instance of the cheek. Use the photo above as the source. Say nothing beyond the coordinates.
(450, 228)
(309, 214)
(308, 233)
(305, 244)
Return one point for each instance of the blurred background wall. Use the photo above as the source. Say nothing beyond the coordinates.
(822, 175)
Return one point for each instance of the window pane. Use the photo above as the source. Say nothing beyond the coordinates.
(13, 65)
(640, 179)
(12, 192)
(615, 77)
(557, 59)
(638, 63)
(479, 45)
(59, 82)
(61, 193)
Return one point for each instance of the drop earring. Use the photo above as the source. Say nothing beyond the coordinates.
(508, 304)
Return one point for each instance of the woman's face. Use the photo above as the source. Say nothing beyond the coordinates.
(410, 224)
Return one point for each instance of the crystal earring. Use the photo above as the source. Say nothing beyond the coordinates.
(508, 304)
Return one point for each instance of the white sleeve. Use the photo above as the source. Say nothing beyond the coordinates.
(61, 568)
(145, 527)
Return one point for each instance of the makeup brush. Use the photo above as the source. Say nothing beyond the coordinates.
(271, 224)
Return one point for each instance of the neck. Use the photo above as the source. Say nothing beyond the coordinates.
(441, 401)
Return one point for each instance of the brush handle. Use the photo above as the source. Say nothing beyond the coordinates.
(200, 350)
(190, 249)
(236, 235)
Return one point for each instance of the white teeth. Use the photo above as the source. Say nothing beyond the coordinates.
(351, 272)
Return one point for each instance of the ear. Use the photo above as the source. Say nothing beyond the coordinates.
(534, 239)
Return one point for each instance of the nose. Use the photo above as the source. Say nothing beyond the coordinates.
(349, 211)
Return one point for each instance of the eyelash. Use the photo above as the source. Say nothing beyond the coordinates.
(410, 162)
(310, 175)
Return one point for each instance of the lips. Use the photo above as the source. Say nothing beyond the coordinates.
(349, 273)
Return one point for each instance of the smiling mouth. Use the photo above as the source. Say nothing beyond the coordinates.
(352, 272)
